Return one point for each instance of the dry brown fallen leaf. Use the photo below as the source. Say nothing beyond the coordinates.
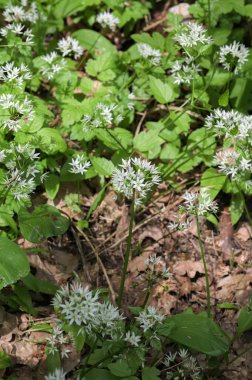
(235, 287)
(188, 267)
(244, 233)
(226, 234)
(152, 231)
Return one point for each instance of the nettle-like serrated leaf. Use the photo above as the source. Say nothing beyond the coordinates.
(50, 141)
(162, 92)
(102, 166)
(13, 262)
(45, 221)
(146, 141)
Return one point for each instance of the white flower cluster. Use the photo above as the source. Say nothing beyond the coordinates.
(231, 124)
(184, 73)
(78, 305)
(20, 178)
(233, 56)
(192, 35)
(14, 75)
(107, 20)
(80, 164)
(53, 64)
(69, 46)
(132, 338)
(17, 112)
(58, 374)
(233, 163)
(102, 117)
(57, 342)
(152, 262)
(149, 318)
(18, 30)
(181, 365)
(21, 13)
(199, 203)
(180, 225)
(135, 175)
(147, 52)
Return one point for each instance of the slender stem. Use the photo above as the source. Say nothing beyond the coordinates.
(147, 296)
(209, 13)
(205, 267)
(127, 253)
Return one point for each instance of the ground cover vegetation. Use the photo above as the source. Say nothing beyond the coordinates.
(143, 100)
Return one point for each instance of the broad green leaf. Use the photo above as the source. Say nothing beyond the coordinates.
(224, 99)
(150, 373)
(53, 361)
(23, 299)
(52, 185)
(39, 286)
(64, 8)
(146, 141)
(120, 368)
(93, 41)
(79, 337)
(13, 262)
(169, 152)
(189, 329)
(50, 141)
(45, 221)
(244, 320)
(162, 92)
(5, 360)
(97, 201)
(100, 374)
(213, 181)
(236, 207)
(6, 218)
(102, 166)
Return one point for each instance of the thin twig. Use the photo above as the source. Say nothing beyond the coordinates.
(82, 255)
(113, 295)
(140, 123)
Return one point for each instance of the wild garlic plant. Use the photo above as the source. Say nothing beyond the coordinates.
(135, 179)
(197, 204)
(87, 318)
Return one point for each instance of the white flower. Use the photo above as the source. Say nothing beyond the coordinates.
(147, 52)
(25, 35)
(58, 374)
(14, 75)
(132, 338)
(149, 318)
(54, 64)
(233, 56)
(191, 35)
(135, 175)
(153, 260)
(102, 117)
(70, 45)
(107, 20)
(79, 165)
(233, 163)
(184, 73)
(19, 111)
(199, 203)
(78, 305)
(14, 13)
